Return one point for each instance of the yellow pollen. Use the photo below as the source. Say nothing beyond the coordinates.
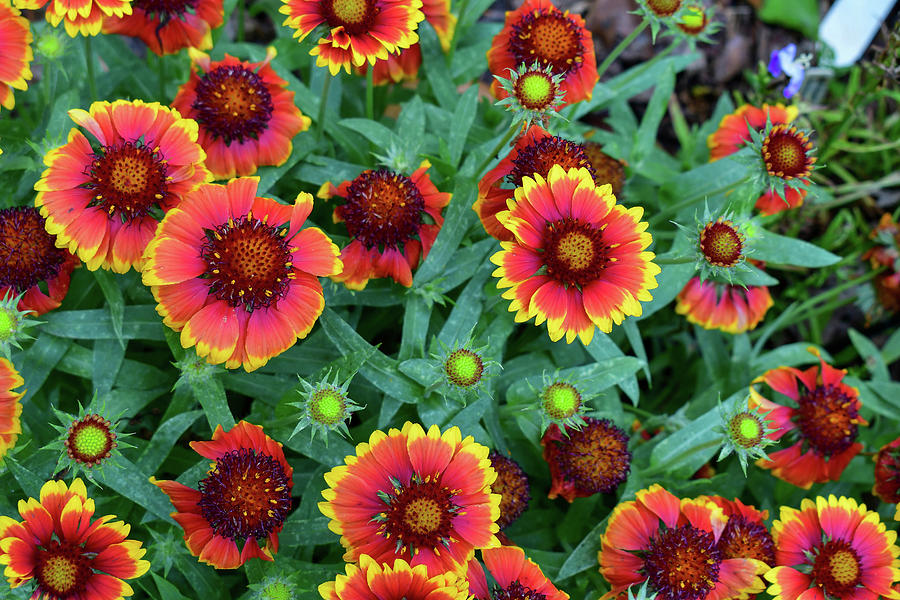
(844, 568)
(350, 11)
(577, 250)
(423, 515)
(60, 573)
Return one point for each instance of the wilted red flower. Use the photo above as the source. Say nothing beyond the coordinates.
(16, 55)
(515, 577)
(887, 473)
(824, 421)
(167, 26)
(885, 254)
(28, 258)
(745, 534)
(65, 552)
(538, 31)
(387, 216)
(729, 308)
(512, 485)
(592, 459)
(246, 114)
(244, 498)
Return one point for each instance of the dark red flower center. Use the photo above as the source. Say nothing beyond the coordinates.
(785, 152)
(512, 485)
(129, 178)
(664, 8)
(248, 262)
(887, 473)
(837, 569)
(383, 209)
(516, 591)
(464, 367)
(245, 494)
(828, 419)
(165, 10)
(540, 156)
(233, 103)
(574, 252)
(721, 244)
(595, 458)
(682, 563)
(606, 168)
(28, 254)
(743, 538)
(355, 16)
(62, 570)
(549, 37)
(90, 440)
(418, 515)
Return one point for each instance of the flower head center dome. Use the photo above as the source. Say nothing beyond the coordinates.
(549, 37)
(560, 400)
(383, 209)
(62, 570)
(90, 440)
(828, 419)
(664, 8)
(328, 406)
(418, 515)
(28, 254)
(595, 457)
(516, 591)
(535, 90)
(574, 252)
(682, 563)
(233, 103)
(464, 367)
(165, 10)
(721, 244)
(540, 156)
(837, 569)
(743, 538)
(353, 15)
(245, 494)
(785, 152)
(248, 262)
(129, 178)
(512, 485)
(746, 429)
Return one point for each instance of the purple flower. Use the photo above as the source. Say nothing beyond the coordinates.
(786, 61)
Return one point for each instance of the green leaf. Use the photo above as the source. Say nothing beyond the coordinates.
(782, 250)
(416, 315)
(633, 333)
(681, 453)
(801, 15)
(601, 348)
(584, 556)
(458, 218)
(107, 358)
(140, 322)
(435, 66)
(126, 479)
(164, 439)
(269, 176)
(30, 482)
(114, 298)
(670, 281)
(870, 354)
(167, 591)
(210, 393)
(375, 132)
(463, 116)
(36, 364)
(656, 109)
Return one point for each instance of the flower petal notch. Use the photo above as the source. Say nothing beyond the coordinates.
(236, 274)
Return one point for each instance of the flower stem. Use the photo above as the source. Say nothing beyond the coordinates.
(240, 23)
(680, 260)
(89, 61)
(370, 92)
(612, 56)
(161, 71)
(453, 42)
(513, 128)
(323, 102)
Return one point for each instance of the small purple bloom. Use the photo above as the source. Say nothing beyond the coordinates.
(786, 61)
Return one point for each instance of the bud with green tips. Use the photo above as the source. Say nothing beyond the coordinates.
(535, 94)
(13, 324)
(325, 407)
(746, 433)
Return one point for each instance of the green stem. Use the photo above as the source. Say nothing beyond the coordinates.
(370, 93)
(612, 56)
(323, 102)
(89, 61)
(681, 260)
(453, 42)
(161, 70)
(46, 92)
(513, 128)
(240, 27)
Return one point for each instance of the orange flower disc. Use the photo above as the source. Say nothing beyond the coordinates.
(722, 245)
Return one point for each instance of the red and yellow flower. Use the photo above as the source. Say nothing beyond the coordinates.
(885, 254)
(167, 26)
(423, 497)
(538, 31)
(369, 581)
(68, 554)
(386, 214)
(244, 498)
(734, 132)
(360, 31)
(10, 406)
(28, 258)
(16, 55)
(823, 417)
(236, 275)
(99, 202)
(515, 576)
(80, 17)
(578, 260)
(405, 65)
(672, 544)
(745, 534)
(722, 306)
(887, 473)
(534, 152)
(246, 114)
(833, 548)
